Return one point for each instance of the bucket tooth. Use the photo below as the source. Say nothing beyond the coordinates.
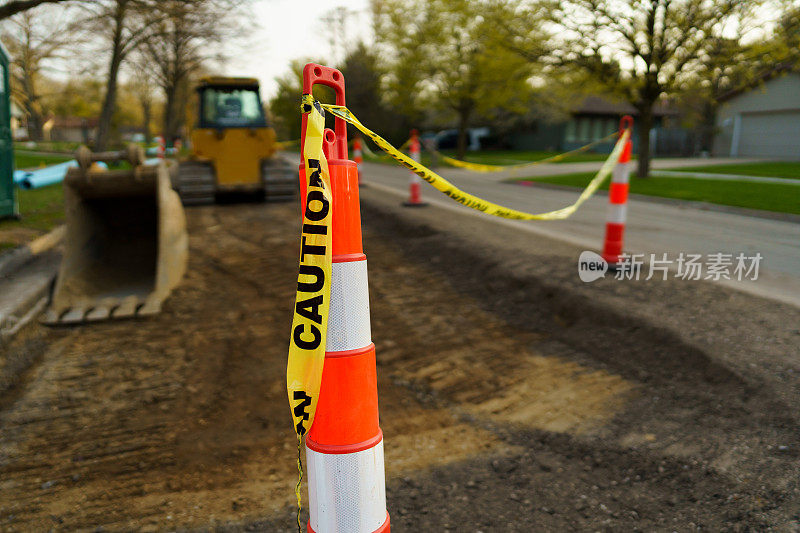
(126, 308)
(50, 317)
(73, 316)
(151, 307)
(98, 313)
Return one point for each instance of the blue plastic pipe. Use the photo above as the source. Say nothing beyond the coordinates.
(33, 179)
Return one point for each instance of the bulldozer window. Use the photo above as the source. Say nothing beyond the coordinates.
(234, 107)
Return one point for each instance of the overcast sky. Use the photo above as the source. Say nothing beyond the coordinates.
(290, 29)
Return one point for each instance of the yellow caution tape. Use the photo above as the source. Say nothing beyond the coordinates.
(467, 199)
(372, 155)
(479, 167)
(369, 153)
(285, 144)
(312, 303)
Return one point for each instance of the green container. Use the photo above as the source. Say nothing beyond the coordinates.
(8, 201)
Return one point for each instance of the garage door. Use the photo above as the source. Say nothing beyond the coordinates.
(771, 135)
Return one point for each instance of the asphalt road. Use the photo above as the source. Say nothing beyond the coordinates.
(653, 227)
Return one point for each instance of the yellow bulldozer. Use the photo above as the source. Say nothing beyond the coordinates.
(233, 148)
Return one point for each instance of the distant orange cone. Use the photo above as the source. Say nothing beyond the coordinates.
(415, 184)
(618, 199)
(357, 157)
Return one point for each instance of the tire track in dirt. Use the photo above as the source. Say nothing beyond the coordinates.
(694, 421)
(496, 412)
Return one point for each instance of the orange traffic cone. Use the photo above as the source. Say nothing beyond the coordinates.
(344, 446)
(618, 199)
(357, 156)
(415, 184)
(162, 147)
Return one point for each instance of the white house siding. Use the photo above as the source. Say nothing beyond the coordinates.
(763, 122)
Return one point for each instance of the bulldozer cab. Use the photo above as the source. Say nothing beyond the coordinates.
(230, 106)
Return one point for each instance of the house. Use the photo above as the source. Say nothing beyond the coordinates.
(71, 129)
(596, 117)
(19, 129)
(761, 121)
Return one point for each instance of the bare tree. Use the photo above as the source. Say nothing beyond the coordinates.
(123, 26)
(11, 8)
(143, 86)
(35, 38)
(184, 39)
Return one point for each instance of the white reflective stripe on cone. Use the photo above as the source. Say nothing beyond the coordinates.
(621, 173)
(617, 213)
(348, 320)
(346, 491)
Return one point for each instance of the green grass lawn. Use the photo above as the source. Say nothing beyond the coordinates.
(40, 211)
(772, 169)
(766, 196)
(25, 159)
(511, 157)
(62, 147)
(495, 157)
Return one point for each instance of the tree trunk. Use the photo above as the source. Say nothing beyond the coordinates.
(35, 117)
(35, 124)
(170, 93)
(645, 125)
(147, 107)
(463, 124)
(109, 102)
(179, 110)
(708, 127)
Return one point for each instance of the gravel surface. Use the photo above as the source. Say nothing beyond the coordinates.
(513, 396)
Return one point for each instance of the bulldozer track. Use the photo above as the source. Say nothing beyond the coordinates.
(195, 183)
(280, 179)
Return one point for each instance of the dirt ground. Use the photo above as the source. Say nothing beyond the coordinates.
(513, 397)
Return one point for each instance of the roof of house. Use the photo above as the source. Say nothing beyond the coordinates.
(777, 70)
(75, 122)
(601, 105)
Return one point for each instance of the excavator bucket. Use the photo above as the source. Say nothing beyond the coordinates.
(126, 245)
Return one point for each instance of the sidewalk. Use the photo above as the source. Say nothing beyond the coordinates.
(723, 177)
(555, 169)
(26, 274)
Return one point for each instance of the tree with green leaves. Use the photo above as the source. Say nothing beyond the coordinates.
(284, 106)
(642, 50)
(362, 73)
(732, 64)
(443, 55)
